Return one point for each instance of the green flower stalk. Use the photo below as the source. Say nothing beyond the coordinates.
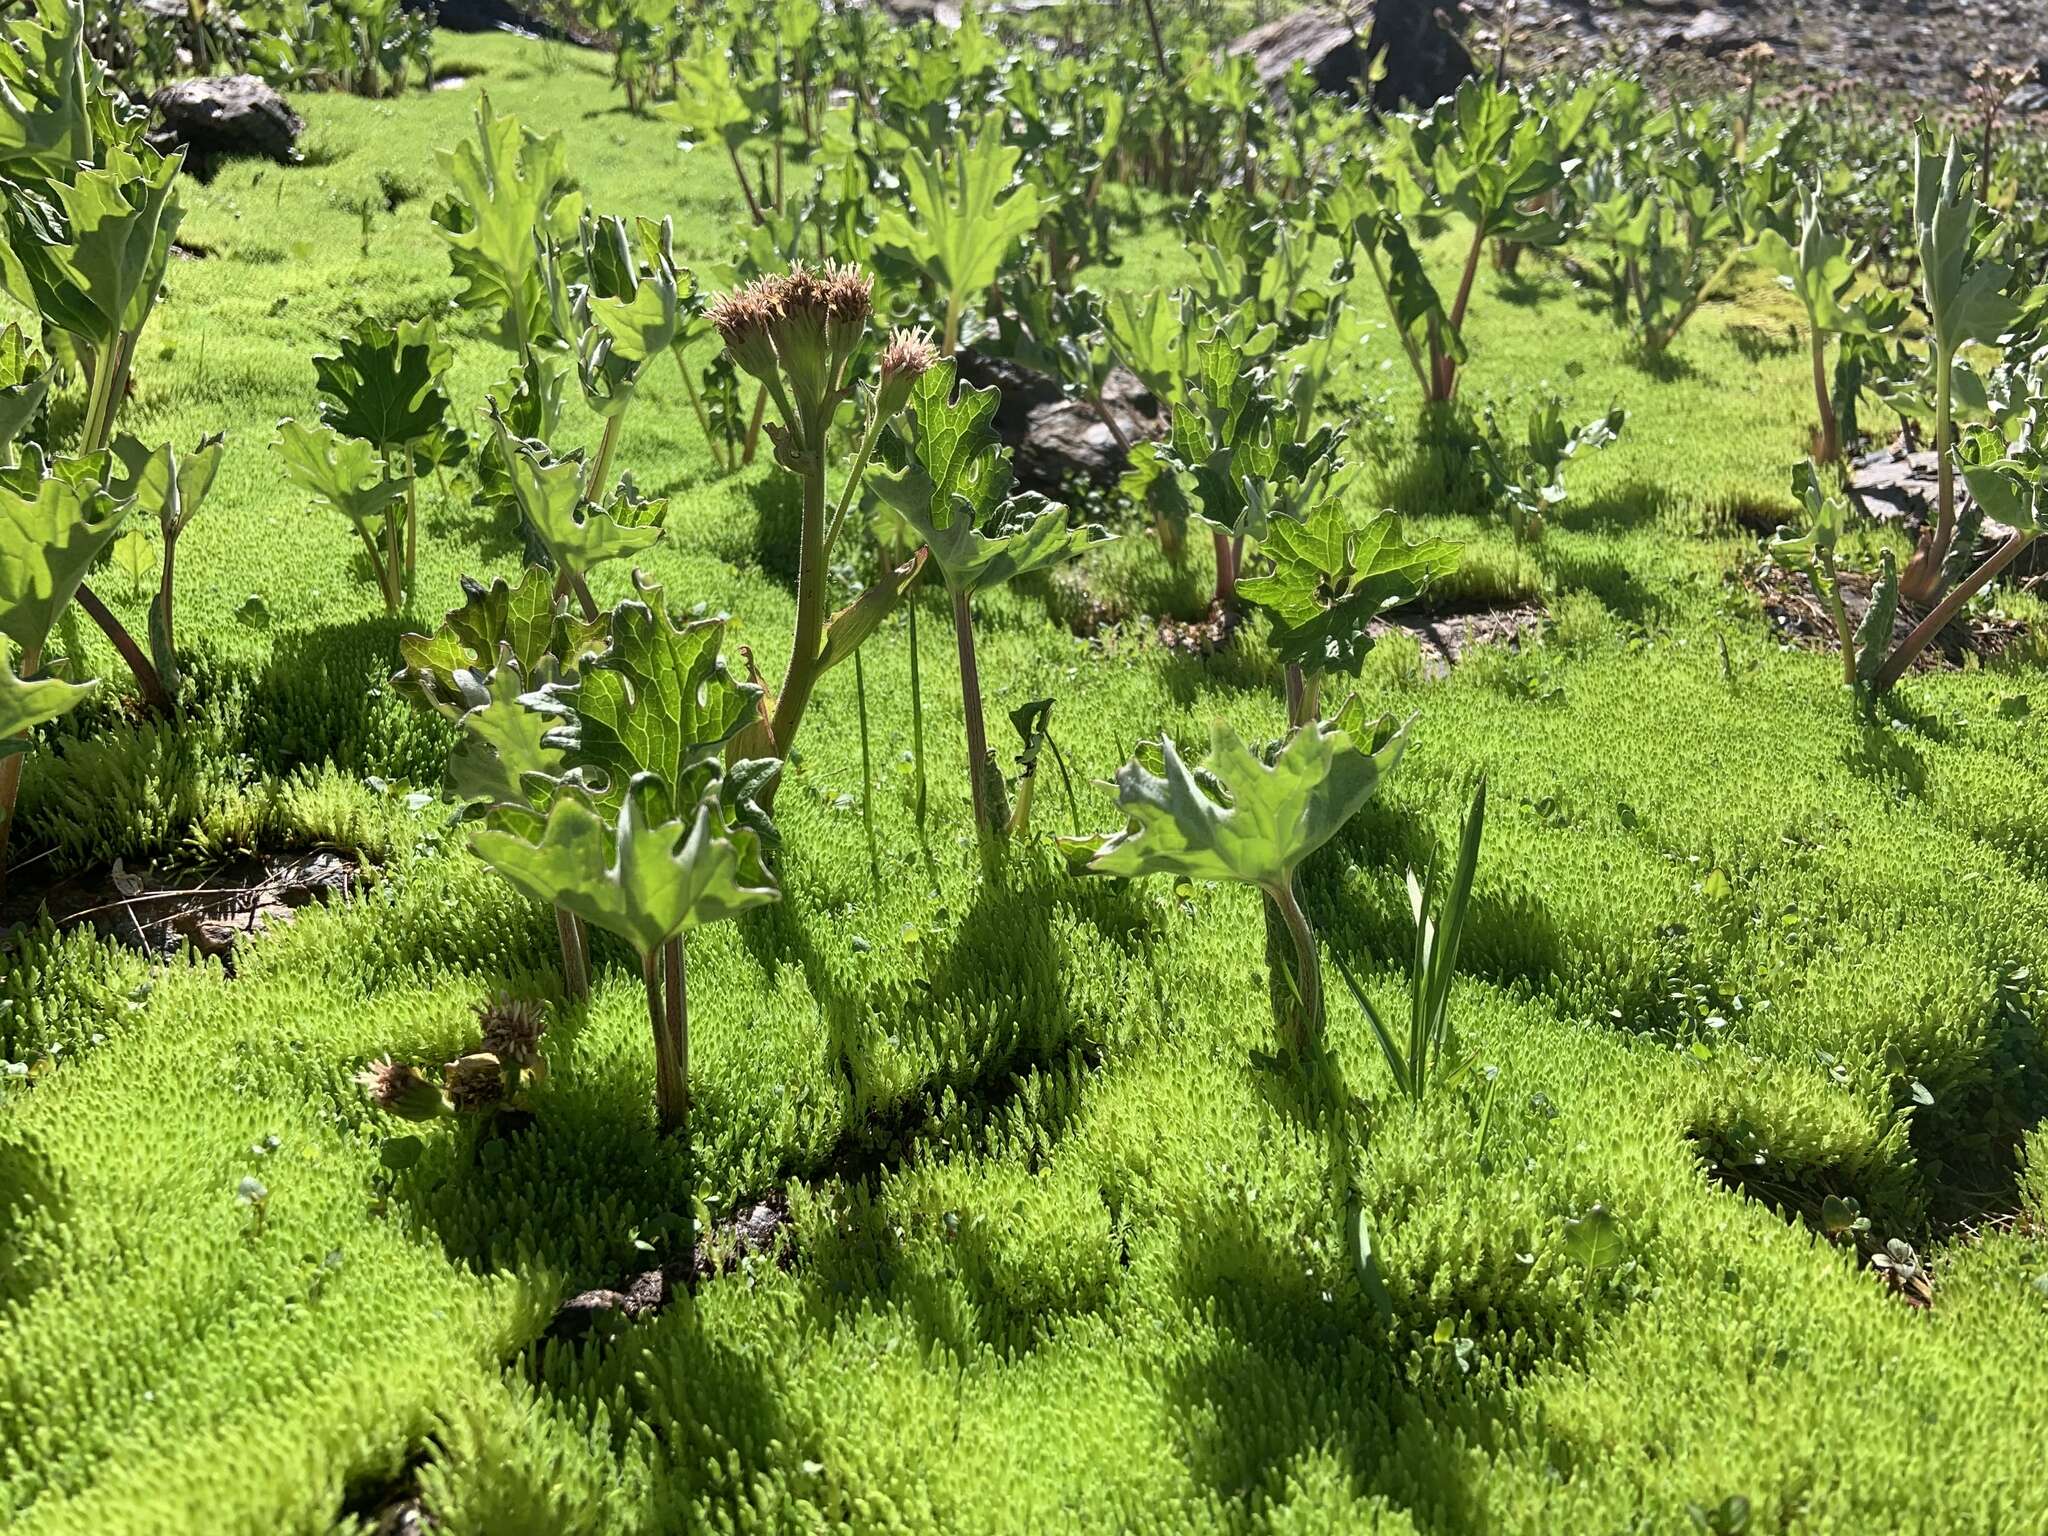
(802, 335)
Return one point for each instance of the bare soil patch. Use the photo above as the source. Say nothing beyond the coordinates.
(161, 908)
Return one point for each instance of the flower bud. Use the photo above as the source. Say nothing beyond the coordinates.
(905, 360)
(849, 300)
(804, 308)
(401, 1089)
(511, 1028)
(474, 1083)
(743, 320)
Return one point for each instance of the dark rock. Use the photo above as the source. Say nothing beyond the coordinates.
(1424, 58)
(647, 1293)
(1056, 440)
(226, 116)
(496, 16)
(581, 1315)
(757, 1228)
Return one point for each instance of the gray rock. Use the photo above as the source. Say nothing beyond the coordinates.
(1055, 440)
(226, 116)
(1424, 57)
(1712, 32)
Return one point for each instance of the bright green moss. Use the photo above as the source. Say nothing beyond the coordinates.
(1064, 1252)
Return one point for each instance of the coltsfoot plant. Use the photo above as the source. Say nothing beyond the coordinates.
(1252, 819)
(804, 336)
(954, 489)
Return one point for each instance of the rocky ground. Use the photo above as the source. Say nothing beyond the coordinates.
(1926, 49)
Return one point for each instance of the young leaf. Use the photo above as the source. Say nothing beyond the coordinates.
(551, 496)
(26, 705)
(168, 486)
(46, 95)
(528, 621)
(657, 704)
(1330, 581)
(56, 519)
(646, 879)
(1259, 822)
(510, 183)
(345, 472)
(956, 482)
(382, 387)
(637, 295)
(1962, 290)
(1594, 1240)
(24, 380)
(964, 216)
(100, 276)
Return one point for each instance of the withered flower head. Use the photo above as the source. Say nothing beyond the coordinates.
(908, 356)
(849, 300)
(474, 1082)
(804, 299)
(401, 1089)
(745, 319)
(511, 1027)
(849, 294)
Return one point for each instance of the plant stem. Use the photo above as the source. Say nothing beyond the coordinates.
(1308, 967)
(1670, 333)
(1843, 637)
(1447, 366)
(153, 694)
(703, 419)
(412, 516)
(851, 489)
(10, 772)
(109, 383)
(1923, 633)
(575, 963)
(667, 1018)
(166, 589)
(754, 426)
(970, 704)
(1226, 572)
(951, 339)
(920, 796)
(1108, 419)
(1304, 691)
(739, 170)
(593, 484)
(1830, 437)
(802, 673)
(867, 774)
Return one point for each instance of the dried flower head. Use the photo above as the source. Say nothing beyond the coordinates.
(849, 294)
(907, 357)
(802, 346)
(474, 1082)
(908, 353)
(745, 320)
(398, 1088)
(511, 1027)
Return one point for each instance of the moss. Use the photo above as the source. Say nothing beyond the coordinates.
(1065, 1252)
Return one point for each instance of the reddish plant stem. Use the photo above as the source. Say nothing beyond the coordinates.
(970, 703)
(153, 694)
